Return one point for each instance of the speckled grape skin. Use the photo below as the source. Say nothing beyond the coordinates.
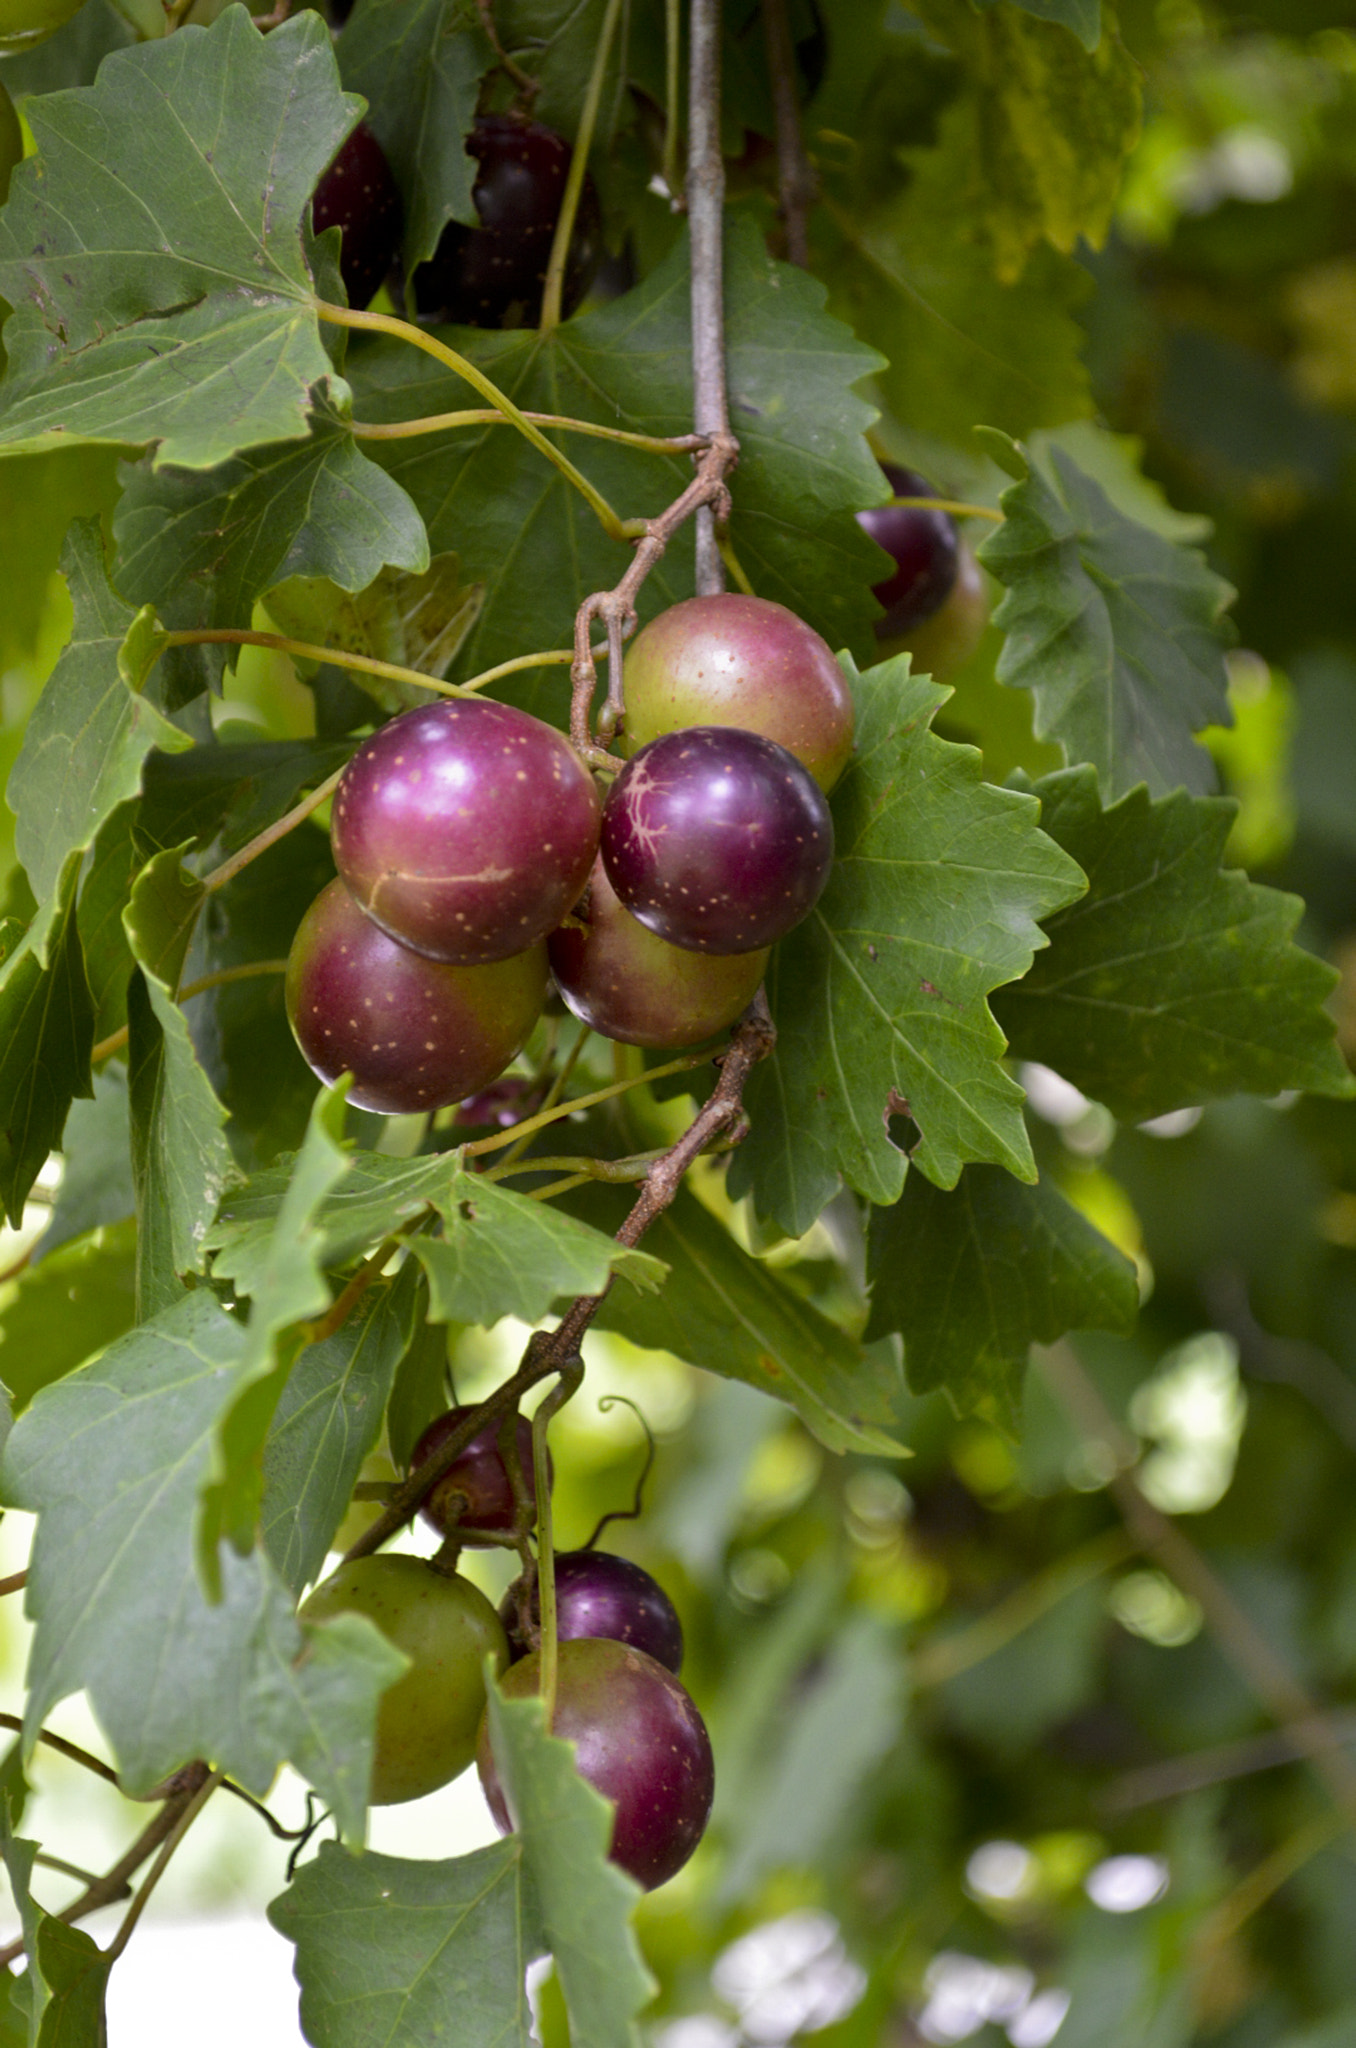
(479, 1475)
(415, 1034)
(359, 194)
(743, 661)
(466, 829)
(601, 1594)
(629, 985)
(426, 1723)
(926, 550)
(639, 1741)
(717, 840)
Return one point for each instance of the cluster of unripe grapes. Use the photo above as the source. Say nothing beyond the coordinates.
(639, 1739)
(476, 859)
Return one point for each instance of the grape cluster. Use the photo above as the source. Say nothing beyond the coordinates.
(476, 857)
(640, 1739)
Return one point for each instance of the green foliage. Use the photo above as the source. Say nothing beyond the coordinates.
(880, 996)
(972, 1276)
(1115, 632)
(1174, 980)
(1050, 1178)
(231, 365)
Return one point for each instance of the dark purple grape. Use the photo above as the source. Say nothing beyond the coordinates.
(717, 839)
(466, 829)
(628, 984)
(415, 1034)
(494, 275)
(601, 1594)
(475, 1493)
(743, 661)
(639, 1740)
(359, 194)
(926, 551)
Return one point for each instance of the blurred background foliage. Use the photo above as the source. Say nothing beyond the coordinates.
(998, 1760)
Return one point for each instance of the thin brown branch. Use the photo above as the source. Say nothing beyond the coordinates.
(113, 1885)
(71, 1750)
(796, 183)
(528, 86)
(16, 1581)
(706, 223)
(183, 1821)
(1178, 1775)
(1252, 1655)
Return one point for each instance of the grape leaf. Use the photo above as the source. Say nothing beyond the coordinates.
(418, 64)
(501, 1253)
(209, 542)
(804, 467)
(328, 1418)
(118, 1608)
(181, 1162)
(153, 253)
(289, 1285)
(418, 621)
(972, 1276)
(1116, 632)
(240, 1029)
(96, 1183)
(63, 1989)
(584, 1901)
(729, 1314)
(1174, 980)
(557, 43)
(1050, 126)
(90, 731)
(879, 996)
(1083, 17)
(387, 1948)
(914, 272)
(46, 1033)
(64, 1309)
(224, 795)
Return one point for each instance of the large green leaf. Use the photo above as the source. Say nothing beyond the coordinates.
(88, 738)
(418, 64)
(115, 1597)
(557, 42)
(328, 1418)
(209, 542)
(1174, 980)
(63, 1988)
(181, 1162)
(153, 253)
(804, 468)
(289, 1285)
(1116, 632)
(911, 266)
(46, 1033)
(500, 1254)
(728, 1313)
(1051, 124)
(405, 1954)
(880, 996)
(585, 1902)
(64, 1309)
(972, 1276)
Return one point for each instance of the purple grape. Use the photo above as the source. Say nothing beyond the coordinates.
(926, 551)
(742, 661)
(716, 839)
(639, 1741)
(483, 276)
(466, 829)
(359, 194)
(478, 1477)
(414, 1033)
(601, 1594)
(629, 985)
